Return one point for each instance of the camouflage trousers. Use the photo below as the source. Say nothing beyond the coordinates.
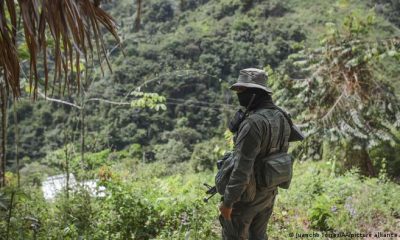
(249, 220)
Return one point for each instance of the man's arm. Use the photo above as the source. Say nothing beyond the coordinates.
(247, 147)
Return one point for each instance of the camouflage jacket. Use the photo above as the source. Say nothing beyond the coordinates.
(258, 135)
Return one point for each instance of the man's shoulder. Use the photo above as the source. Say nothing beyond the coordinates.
(267, 116)
(262, 115)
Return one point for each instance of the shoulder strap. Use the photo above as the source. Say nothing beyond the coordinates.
(295, 133)
(284, 146)
(288, 118)
(279, 140)
(275, 135)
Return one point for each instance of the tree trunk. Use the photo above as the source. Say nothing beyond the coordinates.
(138, 15)
(16, 142)
(182, 4)
(3, 97)
(367, 162)
(359, 157)
(67, 169)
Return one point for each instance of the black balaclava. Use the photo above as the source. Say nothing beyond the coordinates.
(260, 98)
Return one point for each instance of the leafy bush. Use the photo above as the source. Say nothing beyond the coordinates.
(206, 154)
(327, 201)
(135, 150)
(320, 213)
(161, 11)
(274, 8)
(153, 204)
(191, 4)
(76, 212)
(187, 136)
(226, 9)
(172, 152)
(128, 214)
(386, 157)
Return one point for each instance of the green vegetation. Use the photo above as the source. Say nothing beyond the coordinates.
(189, 53)
(149, 202)
(152, 130)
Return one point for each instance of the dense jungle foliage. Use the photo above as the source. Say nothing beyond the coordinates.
(153, 201)
(189, 52)
(153, 152)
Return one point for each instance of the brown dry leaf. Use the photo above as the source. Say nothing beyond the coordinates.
(70, 25)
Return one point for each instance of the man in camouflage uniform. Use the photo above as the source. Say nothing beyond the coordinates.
(259, 134)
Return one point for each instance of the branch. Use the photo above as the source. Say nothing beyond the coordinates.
(333, 107)
(108, 101)
(59, 101)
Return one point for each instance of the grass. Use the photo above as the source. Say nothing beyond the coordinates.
(167, 203)
(319, 200)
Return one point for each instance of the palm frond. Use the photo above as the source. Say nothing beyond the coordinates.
(71, 25)
(9, 61)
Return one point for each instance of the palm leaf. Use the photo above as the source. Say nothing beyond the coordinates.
(71, 24)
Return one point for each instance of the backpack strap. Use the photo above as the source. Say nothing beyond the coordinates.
(284, 146)
(275, 135)
(279, 140)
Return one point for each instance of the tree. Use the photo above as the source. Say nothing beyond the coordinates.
(64, 29)
(343, 96)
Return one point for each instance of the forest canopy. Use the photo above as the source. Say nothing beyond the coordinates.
(150, 126)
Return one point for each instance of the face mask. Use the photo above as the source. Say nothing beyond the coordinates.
(245, 98)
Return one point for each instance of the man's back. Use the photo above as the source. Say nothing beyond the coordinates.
(261, 138)
(261, 133)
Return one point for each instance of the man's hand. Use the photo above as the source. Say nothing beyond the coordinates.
(225, 212)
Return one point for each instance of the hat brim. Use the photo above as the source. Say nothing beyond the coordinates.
(249, 85)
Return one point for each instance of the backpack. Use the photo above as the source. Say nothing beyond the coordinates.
(275, 167)
(275, 170)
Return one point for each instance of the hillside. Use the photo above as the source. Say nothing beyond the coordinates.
(190, 52)
(146, 202)
(146, 136)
